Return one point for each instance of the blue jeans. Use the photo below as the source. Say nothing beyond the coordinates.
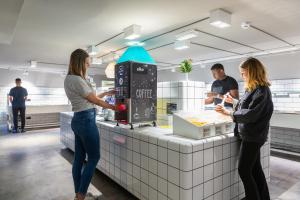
(86, 142)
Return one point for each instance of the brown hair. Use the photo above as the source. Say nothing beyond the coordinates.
(77, 63)
(257, 74)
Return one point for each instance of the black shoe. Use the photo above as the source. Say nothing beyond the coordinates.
(23, 131)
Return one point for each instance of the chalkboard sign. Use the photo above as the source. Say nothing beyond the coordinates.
(136, 86)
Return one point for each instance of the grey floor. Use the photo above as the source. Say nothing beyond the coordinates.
(36, 166)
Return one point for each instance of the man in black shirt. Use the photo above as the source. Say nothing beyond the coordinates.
(222, 85)
(17, 98)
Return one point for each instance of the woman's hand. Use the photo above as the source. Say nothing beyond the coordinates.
(228, 99)
(110, 93)
(221, 109)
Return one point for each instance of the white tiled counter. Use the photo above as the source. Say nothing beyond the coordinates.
(154, 164)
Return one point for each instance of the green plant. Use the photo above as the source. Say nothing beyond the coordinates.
(186, 66)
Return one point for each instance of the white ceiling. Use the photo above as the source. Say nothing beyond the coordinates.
(49, 30)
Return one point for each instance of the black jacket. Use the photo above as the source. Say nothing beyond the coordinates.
(252, 115)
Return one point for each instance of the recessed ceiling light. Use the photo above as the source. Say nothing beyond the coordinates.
(132, 32)
(135, 43)
(220, 18)
(96, 61)
(33, 64)
(181, 45)
(187, 35)
(245, 25)
(92, 50)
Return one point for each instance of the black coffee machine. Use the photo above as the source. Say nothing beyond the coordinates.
(136, 92)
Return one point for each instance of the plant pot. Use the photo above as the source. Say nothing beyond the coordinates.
(186, 76)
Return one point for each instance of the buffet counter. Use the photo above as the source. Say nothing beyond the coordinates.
(285, 131)
(153, 163)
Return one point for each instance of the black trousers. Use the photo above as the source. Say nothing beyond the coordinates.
(16, 111)
(251, 172)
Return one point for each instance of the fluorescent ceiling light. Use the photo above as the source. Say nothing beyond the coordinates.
(245, 25)
(187, 35)
(286, 49)
(92, 50)
(33, 64)
(132, 32)
(96, 61)
(220, 18)
(181, 45)
(135, 43)
(110, 70)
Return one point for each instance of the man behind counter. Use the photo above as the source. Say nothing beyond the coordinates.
(17, 97)
(222, 85)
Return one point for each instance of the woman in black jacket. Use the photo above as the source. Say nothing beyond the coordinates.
(252, 114)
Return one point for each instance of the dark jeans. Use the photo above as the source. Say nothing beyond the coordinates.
(251, 172)
(86, 142)
(15, 111)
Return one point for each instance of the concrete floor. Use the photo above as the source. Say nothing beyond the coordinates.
(36, 166)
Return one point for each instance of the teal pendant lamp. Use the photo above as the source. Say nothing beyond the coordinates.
(136, 54)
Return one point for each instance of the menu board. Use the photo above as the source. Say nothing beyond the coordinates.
(143, 92)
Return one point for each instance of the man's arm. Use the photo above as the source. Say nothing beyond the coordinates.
(234, 93)
(25, 95)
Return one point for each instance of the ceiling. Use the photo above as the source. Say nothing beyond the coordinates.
(49, 30)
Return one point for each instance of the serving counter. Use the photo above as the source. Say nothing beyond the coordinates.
(152, 163)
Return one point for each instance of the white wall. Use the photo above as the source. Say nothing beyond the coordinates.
(283, 66)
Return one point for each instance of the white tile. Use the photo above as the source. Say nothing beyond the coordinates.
(226, 165)
(198, 176)
(186, 194)
(173, 175)
(198, 192)
(226, 151)
(129, 155)
(153, 180)
(208, 156)
(136, 145)
(136, 185)
(186, 161)
(163, 186)
(144, 162)
(123, 178)
(208, 188)
(234, 148)
(218, 182)
(173, 191)
(129, 181)
(186, 180)
(163, 154)
(198, 159)
(111, 158)
(163, 142)
(226, 180)
(234, 177)
(117, 162)
(186, 148)
(233, 163)
(218, 153)
(129, 143)
(173, 158)
(153, 194)
(173, 145)
(226, 194)
(144, 190)
(162, 170)
(153, 151)
(209, 143)
(152, 166)
(118, 173)
(144, 148)
(218, 196)
(144, 176)
(153, 139)
(208, 172)
(136, 172)
(129, 168)
(218, 168)
(161, 197)
(136, 158)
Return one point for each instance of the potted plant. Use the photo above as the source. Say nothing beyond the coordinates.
(186, 67)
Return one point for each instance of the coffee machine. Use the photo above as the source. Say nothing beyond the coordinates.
(136, 92)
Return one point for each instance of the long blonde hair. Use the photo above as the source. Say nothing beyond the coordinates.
(257, 74)
(77, 63)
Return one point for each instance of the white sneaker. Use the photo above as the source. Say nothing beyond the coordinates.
(90, 196)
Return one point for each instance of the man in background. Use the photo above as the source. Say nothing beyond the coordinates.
(222, 85)
(17, 98)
